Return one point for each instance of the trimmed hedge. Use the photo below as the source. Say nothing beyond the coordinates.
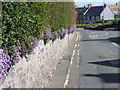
(22, 20)
(25, 23)
(100, 26)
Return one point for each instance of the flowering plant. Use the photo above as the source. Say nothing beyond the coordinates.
(36, 41)
(5, 63)
(49, 33)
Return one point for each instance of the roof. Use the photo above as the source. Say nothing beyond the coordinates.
(94, 11)
(81, 10)
(113, 6)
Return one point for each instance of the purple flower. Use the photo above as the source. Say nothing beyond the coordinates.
(48, 33)
(36, 41)
(17, 52)
(73, 29)
(43, 35)
(1, 76)
(1, 51)
(5, 63)
(1, 65)
(57, 35)
(64, 32)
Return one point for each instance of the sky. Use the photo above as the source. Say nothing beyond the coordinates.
(95, 2)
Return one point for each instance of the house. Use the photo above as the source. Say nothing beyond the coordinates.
(115, 10)
(96, 13)
(91, 14)
(80, 14)
(118, 4)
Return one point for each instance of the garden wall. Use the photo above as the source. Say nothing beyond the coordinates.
(37, 70)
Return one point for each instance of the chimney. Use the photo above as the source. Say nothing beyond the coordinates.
(89, 5)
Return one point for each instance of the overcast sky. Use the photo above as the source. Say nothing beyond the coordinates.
(95, 2)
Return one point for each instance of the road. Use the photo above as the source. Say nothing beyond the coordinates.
(92, 61)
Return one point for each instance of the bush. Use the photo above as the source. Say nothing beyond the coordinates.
(100, 21)
(25, 23)
(118, 24)
(21, 21)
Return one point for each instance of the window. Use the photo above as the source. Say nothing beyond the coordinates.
(90, 17)
(95, 17)
(85, 17)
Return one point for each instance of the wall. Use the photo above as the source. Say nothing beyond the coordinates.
(107, 13)
(93, 19)
(118, 5)
(37, 70)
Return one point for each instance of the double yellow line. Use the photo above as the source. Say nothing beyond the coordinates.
(71, 61)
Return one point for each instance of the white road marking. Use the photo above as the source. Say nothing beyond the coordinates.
(75, 45)
(106, 33)
(115, 44)
(71, 61)
(77, 38)
(73, 53)
(66, 83)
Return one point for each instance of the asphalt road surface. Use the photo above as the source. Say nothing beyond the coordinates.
(91, 61)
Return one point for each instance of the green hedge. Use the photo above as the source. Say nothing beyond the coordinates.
(22, 20)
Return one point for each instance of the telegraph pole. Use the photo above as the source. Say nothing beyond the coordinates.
(103, 13)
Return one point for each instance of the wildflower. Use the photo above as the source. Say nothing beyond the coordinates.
(17, 52)
(48, 33)
(5, 64)
(71, 30)
(63, 32)
(57, 35)
(43, 35)
(36, 41)
(66, 31)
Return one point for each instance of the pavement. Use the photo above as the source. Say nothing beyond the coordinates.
(91, 61)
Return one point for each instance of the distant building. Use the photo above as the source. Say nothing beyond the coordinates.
(97, 13)
(118, 4)
(115, 10)
(80, 14)
(91, 14)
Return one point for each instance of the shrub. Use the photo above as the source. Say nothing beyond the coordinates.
(25, 23)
